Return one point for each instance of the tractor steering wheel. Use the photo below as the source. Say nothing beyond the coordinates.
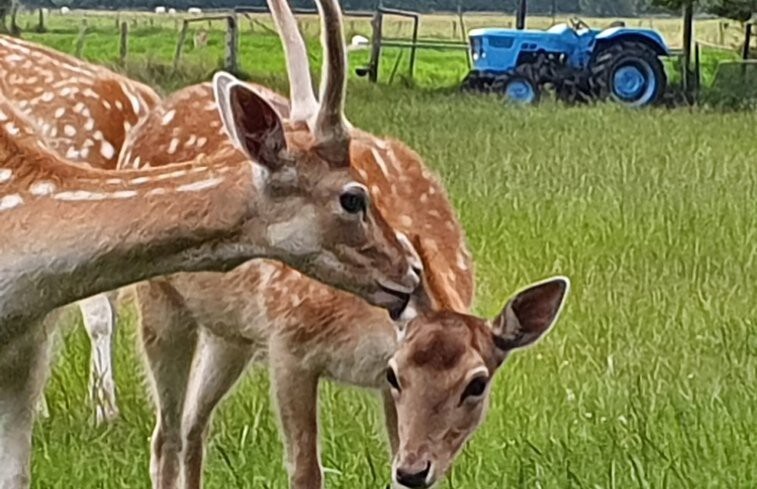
(577, 24)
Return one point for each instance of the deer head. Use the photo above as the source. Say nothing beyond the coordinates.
(441, 376)
(316, 213)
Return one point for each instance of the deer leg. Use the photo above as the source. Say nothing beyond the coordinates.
(219, 365)
(390, 420)
(169, 339)
(296, 392)
(23, 369)
(100, 322)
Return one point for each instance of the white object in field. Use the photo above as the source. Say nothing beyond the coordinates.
(194, 10)
(172, 11)
(358, 42)
(64, 10)
(160, 10)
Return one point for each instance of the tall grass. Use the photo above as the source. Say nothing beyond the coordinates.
(648, 380)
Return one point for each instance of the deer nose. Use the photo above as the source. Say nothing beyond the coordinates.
(408, 477)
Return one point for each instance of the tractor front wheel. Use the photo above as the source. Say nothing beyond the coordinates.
(629, 73)
(518, 86)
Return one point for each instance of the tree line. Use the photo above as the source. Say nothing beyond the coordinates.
(741, 10)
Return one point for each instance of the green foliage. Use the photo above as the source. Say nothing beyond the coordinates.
(742, 10)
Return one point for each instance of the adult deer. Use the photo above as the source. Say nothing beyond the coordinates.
(308, 331)
(84, 112)
(71, 232)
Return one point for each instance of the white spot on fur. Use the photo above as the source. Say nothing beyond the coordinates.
(461, 262)
(201, 185)
(173, 146)
(406, 221)
(80, 195)
(168, 117)
(119, 105)
(134, 102)
(79, 108)
(42, 188)
(11, 129)
(380, 161)
(59, 113)
(136, 162)
(10, 202)
(191, 141)
(124, 194)
(69, 130)
(201, 142)
(5, 175)
(89, 125)
(139, 180)
(3, 116)
(107, 150)
(72, 153)
(47, 97)
(157, 191)
(173, 174)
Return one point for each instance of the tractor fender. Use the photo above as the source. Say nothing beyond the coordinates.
(620, 34)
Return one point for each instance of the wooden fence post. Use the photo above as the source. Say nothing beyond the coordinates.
(15, 29)
(180, 45)
(377, 24)
(80, 39)
(123, 46)
(232, 43)
(41, 22)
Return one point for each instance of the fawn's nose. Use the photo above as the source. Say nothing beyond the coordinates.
(412, 478)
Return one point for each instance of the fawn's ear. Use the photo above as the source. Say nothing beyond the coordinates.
(250, 120)
(529, 315)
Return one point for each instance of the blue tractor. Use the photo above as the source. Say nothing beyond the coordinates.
(580, 63)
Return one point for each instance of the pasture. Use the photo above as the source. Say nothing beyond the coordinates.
(647, 381)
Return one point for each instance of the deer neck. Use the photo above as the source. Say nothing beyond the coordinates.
(110, 229)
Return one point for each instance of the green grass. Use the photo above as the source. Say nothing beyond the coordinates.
(648, 380)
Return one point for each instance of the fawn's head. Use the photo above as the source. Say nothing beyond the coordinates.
(441, 376)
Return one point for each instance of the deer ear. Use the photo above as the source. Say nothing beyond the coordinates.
(251, 122)
(530, 314)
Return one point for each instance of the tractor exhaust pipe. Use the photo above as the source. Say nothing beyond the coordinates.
(520, 21)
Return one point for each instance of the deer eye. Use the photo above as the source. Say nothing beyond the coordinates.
(391, 377)
(475, 388)
(354, 200)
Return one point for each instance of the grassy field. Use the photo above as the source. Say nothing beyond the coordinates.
(648, 381)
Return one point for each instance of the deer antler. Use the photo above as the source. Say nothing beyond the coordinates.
(304, 103)
(331, 129)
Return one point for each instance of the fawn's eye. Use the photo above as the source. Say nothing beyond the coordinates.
(354, 200)
(475, 388)
(391, 377)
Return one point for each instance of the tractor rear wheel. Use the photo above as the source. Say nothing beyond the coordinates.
(629, 73)
(520, 85)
